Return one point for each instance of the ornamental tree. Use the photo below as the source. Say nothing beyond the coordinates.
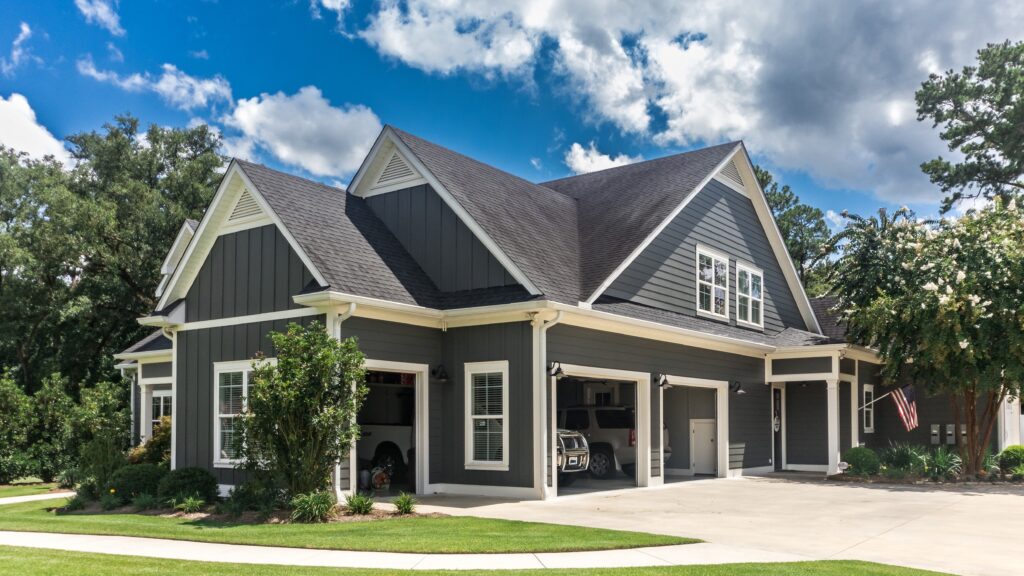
(300, 415)
(943, 303)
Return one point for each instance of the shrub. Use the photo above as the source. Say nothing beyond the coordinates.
(145, 502)
(157, 448)
(313, 507)
(15, 417)
(88, 490)
(103, 411)
(110, 501)
(252, 496)
(51, 437)
(405, 503)
(862, 461)
(75, 503)
(101, 457)
(907, 458)
(1011, 457)
(190, 505)
(182, 483)
(944, 464)
(69, 478)
(136, 479)
(1017, 474)
(359, 504)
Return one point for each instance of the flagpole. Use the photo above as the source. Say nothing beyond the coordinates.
(875, 400)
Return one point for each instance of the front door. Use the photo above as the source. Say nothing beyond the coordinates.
(702, 434)
(777, 426)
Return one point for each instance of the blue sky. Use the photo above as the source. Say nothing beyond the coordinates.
(822, 95)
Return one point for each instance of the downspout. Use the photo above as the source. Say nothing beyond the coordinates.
(546, 444)
(173, 337)
(336, 333)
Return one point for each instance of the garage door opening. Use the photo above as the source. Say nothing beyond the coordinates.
(386, 449)
(690, 432)
(604, 412)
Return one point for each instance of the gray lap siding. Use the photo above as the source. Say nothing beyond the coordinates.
(749, 414)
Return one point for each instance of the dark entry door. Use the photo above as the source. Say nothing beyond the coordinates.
(777, 426)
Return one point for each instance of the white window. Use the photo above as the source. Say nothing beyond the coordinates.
(487, 415)
(869, 408)
(749, 295)
(160, 406)
(230, 393)
(712, 283)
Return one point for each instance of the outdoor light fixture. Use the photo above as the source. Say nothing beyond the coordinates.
(736, 387)
(555, 369)
(663, 381)
(439, 373)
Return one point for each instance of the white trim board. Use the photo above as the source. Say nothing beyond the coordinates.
(471, 369)
(516, 492)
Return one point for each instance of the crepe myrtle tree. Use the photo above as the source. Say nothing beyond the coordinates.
(300, 415)
(943, 303)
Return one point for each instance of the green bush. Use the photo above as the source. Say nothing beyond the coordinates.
(69, 478)
(943, 464)
(75, 503)
(313, 507)
(89, 490)
(863, 461)
(405, 503)
(101, 457)
(1017, 474)
(183, 483)
(135, 479)
(110, 502)
(190, 505)
(1010, 458)
(252, 496)
(906, 458)
(145, 501)
(15, 418)
(359, 504)
(157, 448)
(51, 437)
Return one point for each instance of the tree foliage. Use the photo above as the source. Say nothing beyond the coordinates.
(15, 418)
(300, 415)
(981, 111)
(943, 303)
(803, 228)
(51, 435)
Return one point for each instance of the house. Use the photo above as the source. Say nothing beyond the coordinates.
(653, 305)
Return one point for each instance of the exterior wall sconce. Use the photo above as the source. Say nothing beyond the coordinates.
(439, 373)
(736, 387)
(663, 381)
(555, 369)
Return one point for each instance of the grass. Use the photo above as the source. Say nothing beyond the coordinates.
(25, 487)
(450, 534)
(37, 562)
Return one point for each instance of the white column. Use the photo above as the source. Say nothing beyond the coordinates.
(854, 415)
(833, 425)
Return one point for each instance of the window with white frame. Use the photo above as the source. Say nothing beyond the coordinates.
(160, 406)
(712, 283)
(487, 415)
(749, 295)
(230, 389)
(869, 408)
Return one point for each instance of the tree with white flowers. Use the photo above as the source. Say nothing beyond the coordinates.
(943, 303)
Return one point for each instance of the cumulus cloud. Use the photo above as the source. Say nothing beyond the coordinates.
(174, 86)
(823, 88)
(103, 13)
(581, 159)
(19, 53)
(20, 130)
(304, 130)
(336, 6)
(835, 219)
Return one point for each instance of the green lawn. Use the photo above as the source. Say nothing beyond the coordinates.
(25, 488)
(427, 535)
(35, 562)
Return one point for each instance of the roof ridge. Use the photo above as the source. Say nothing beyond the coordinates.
(649, 161)
(289, 175)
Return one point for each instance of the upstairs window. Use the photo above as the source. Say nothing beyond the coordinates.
(712, 284)
(749, 296)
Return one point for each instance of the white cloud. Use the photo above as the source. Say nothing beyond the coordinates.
(174, 86)
(19, 54)
(102, 13)
(823, 88)
(304, 130)
(20, 130)
(200, 54)
(536, 163)
(837, 220)
(336, 6)
(114, 53)
(582, 160)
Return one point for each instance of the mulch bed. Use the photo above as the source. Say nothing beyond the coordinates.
(918, 481)
(278, 517)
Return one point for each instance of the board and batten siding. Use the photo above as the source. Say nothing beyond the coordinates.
(816, 365)
(247, 272)
(664, 274)
(749, 414)
(444, 247)
(806, 423)
(682, 404)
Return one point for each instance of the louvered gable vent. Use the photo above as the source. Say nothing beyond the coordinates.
(246, 207)
(395, 170)
(731, 173)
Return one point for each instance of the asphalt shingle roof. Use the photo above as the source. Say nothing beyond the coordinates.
(829, 320)
(155, 341)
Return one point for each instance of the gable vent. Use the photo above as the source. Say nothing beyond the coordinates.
(245, 207)
(396, 169)
(731, 173)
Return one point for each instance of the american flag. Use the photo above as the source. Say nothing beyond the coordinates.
(906, 405)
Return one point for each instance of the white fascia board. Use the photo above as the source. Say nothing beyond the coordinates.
(661, 227)
(181, 241)
(771, 228)
(150, 356)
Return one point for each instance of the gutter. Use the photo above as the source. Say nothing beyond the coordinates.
(543, 380)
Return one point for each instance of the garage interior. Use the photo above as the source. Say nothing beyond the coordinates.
(386, 450)
(604, 411)
(690, 430)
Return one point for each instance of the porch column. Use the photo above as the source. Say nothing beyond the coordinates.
(832, 398)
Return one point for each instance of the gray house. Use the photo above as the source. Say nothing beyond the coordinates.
(652, 305)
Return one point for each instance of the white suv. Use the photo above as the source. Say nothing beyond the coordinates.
(611, 433)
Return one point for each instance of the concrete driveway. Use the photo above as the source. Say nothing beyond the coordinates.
(973, 530)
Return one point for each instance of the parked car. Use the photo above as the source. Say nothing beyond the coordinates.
(611, 434)
(573, 456)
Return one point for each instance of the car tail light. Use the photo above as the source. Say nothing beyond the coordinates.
(632, 437)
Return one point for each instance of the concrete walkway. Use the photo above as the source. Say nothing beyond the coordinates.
(238, 554)
(34, 497)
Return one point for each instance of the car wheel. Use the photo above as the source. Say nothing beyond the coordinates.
(602, 464)
(629, 470)
(390, 458)
(566, 479)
